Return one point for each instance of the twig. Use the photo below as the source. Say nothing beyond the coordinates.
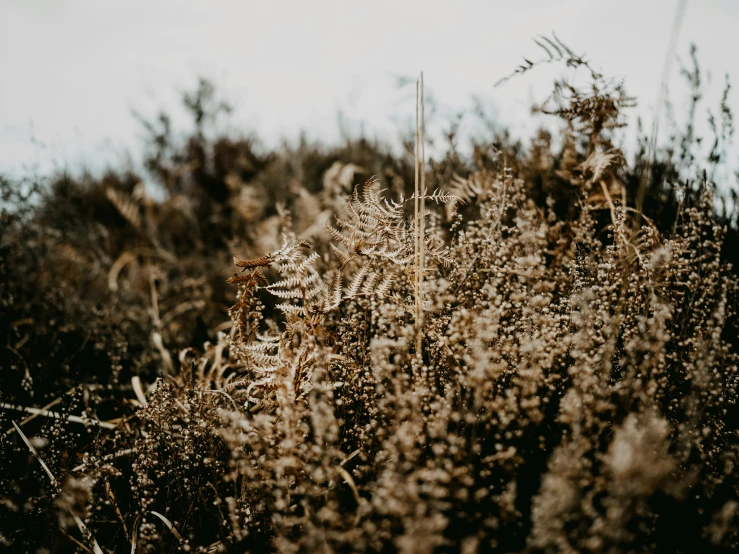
(53, 480)
(55, 415)
(117, 509)
(35, 415)
(416, 229)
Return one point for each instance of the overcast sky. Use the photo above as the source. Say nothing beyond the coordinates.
(72, 71)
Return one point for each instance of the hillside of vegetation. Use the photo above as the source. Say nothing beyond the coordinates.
(302, 350)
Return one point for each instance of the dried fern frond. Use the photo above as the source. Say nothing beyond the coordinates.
(343, 255)
(556, 51)
(333, 298)
(262, 344)
(591, 109)
(374, 227)
(126, 206)
(384, 287)
(291, 309)
(296, 281)
(255, 279)
(439, 253)
(369, 284)
(300, 275)
(316, 291)
(598, 161)
(241, 311)
(353, 288)
(286, 293)
(264, 261)
(339, 177)
(475, 187)
(439, 196)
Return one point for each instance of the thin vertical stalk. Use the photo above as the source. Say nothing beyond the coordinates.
(416, 227)
(421, 215)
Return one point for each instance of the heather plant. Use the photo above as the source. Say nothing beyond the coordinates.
(515, 357)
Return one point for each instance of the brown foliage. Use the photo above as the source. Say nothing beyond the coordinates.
(574, 391)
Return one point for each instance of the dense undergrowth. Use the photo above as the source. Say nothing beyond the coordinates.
(574, 390)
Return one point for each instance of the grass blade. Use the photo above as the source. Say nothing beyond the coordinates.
(169, 525)
(82, 527)
(53, 480)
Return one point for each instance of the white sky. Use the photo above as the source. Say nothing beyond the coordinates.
(72, 71)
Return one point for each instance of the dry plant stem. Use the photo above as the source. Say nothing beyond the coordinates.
(75, 541)
(154, 296)
(107, 458)
(46, 413)
(611, 205)
(420, 212)
(422, 234)
(113, 500)
(53, 480)
(35, 414)
(416, 237)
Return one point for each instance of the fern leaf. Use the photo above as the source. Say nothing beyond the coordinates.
(291, 309)
(384, 286)
(315, 292)
(443, 197)
(369, 283)
(343, 255)
(353, 288)
(307, 263)
(281, 293)
(264, 261)
(336, 234)
(333, 299)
